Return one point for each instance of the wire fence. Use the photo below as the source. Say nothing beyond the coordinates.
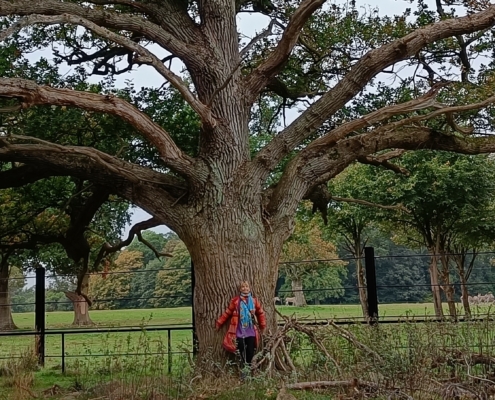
(391, 298)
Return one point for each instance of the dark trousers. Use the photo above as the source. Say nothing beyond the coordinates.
(246, 349)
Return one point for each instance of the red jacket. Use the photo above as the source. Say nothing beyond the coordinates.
(232, 312)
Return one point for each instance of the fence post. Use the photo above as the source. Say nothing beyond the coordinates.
(194, 334)
(63, 353)
(39, 315)
(369, 263)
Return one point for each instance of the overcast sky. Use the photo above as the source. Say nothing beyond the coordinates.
(250, 25)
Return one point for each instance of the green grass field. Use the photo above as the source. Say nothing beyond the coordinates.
(93, 359)
(182, 315)
(86, 344)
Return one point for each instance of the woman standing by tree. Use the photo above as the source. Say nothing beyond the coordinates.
(243, 334)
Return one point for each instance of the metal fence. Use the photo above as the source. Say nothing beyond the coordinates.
(373, 291)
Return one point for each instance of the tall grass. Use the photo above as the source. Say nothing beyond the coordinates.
(434, 360)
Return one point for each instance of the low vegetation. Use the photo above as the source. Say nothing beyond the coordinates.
(410, 360)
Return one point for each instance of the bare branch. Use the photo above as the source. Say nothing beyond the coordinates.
(382, 160)
(10, 109)
(264, 34)
(463, 55)
(263, 74)
(399, 207)
(130, 3)
(107, 248)
(32, 94)
(84, 162)
(143, 55)
(353, 383)
(350, 337)
(360, 74)
(441, 110)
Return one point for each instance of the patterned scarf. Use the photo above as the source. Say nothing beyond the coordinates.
(246, 305)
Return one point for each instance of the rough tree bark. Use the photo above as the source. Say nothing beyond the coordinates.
(6, 321)
(218, 203)
(80, 304)
(242, 252)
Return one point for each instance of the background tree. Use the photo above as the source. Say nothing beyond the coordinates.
(113, 291)
(173, 283)
(444, 194)
(300, 262)
(349, 222)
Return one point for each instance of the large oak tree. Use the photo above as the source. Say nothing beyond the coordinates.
(232, 208)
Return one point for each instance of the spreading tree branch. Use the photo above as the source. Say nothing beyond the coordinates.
(327, 151)
(87, 163)
(399, 207)
(360, 74)
(307, 173)
(180, 42)
(263, 35)
(32, 94)
(130, 181)
(264, 73)
(142, 56)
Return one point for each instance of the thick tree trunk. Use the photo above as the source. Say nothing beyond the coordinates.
(6, 321)
(297, 290)
(80, 303)
(435, 286)
(235, 250)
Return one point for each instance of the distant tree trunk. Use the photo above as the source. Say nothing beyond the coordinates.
(6, 321)
(435, 286)
(449, 294)
(460, 260)
(361, 281)
(465, 296)
(297, 290)
(80, 303)
(448, 288)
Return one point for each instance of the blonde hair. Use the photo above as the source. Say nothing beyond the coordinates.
(244, 283)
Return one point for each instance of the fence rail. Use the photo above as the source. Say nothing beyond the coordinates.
(372, 289)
